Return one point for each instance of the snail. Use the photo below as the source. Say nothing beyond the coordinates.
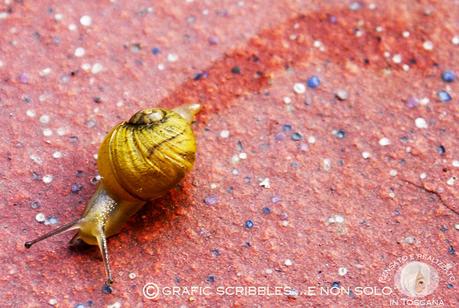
(138, 161)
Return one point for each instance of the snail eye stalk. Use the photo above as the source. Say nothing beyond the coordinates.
(67, 227)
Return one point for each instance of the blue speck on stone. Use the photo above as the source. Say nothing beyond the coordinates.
(340, 134)
(448, 76)
(155, 50)
(336, 284)
(211, 278)
(279, 137)
(451, 250)
(313, 82)
(444, 96)
(52, 220)
(216, 252)
(76, 188)
(296, 136)
(211, 200)
(450, 286)
(266, 210)
(107, 289)
(441, 149)
(286, 127)
(249, 224)
(200, 75)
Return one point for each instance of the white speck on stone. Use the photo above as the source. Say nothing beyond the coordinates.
(95, 156)
(2, 63)
(36, 159)
(366, 154)
(393, 172)
(161, 67)
(58, 17)
(47, 179)
(406, 67)
(44, 119)
(114, 305)
(451, 181)
(336, 219)
(3, 15)
(287, 100)
(428, 45)
(243, 155)
(172, 57)
(47, 132)
(397, 58)
(455, 163)
(45, 72)
(57, 154)
(265, 183)
(409, 240)
(406, 34)
(30, 113)
(455, 40)
(72, 27)
(224, 133)
(288, 262)
(424, 101)
(423, 176)
(52, 302)
(284, 223)
(359, 33)
(268, 271)
(317, 43)
(235, 159)
(79, 52)
(61, 131)
(420, 123)
(86, 67)
(342, 271)
(342, 94)
(326, 164)
(299, 88)
(372, 6)
(235, 172)
(96, 68)
(86, 20)
(132, 275)
(456, 226)
(40, 217)
(384, 141)
(379, 29)
(312, 139)
(386, 54)
(392, 195)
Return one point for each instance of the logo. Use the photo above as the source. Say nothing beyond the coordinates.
(150, 290)
(416, 279)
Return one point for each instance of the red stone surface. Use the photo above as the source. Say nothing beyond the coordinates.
(173, 242)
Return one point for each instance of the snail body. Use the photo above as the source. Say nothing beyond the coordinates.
(139, 160)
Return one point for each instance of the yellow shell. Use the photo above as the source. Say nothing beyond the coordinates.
(143, 158)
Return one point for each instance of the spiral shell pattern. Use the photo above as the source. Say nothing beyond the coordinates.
(143, 158)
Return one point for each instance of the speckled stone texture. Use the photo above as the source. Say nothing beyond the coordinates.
(298, 189)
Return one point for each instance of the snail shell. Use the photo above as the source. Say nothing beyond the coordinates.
(148, 155)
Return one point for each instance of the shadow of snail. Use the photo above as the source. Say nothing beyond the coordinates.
(139, 160)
